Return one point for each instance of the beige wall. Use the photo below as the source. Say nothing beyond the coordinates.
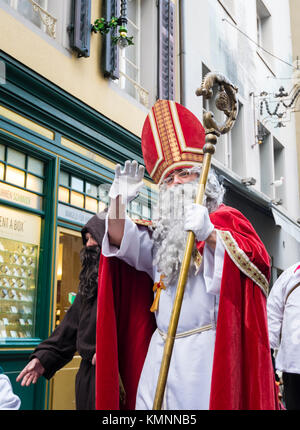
(80, 77)
(295, 27)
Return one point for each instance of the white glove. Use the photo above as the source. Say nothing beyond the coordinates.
(128, 182)
(197, 220)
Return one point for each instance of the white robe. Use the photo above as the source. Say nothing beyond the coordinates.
(189, 377)
(8, 400)
(284, 320)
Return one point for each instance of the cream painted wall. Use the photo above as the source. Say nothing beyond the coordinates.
(80, 77)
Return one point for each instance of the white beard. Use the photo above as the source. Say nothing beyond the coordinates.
(169, 237)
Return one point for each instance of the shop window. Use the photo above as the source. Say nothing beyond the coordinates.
(140, 207)
(1, 171)
(78, 193)
(19, 252)
(2, 152)
(77, 199)
(15, 157)
(35, 166)
(21, 177)
(81, 194)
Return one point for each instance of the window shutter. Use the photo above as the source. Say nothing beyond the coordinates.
(80, 29)
(166, 50)
(111, 51)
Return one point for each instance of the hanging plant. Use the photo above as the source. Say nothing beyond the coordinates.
(103, 27)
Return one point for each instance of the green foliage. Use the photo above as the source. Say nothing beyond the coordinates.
(103, 27)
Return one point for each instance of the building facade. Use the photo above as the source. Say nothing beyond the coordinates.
(73, 104)
(244, 44)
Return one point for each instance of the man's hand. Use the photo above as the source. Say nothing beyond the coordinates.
(94, 360)
(127, 182)
(31, 372)
(197, 220)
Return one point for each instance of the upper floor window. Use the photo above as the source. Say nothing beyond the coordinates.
(130, 59)
(145, 70)
(279, 172)
(264, 32)
(230, 148)
(50, 16)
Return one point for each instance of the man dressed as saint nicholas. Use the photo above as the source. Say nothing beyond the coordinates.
(221, 356)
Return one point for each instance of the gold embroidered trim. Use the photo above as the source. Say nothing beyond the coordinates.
(168, 144)
(243, 262)
(145, 222)
(197, 257)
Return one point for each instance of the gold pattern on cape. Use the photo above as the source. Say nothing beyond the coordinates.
(157, 287)
(243, 262)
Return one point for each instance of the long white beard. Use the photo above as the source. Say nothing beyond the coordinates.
(169, 237)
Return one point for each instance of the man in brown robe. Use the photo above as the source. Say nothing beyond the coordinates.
(77, 331)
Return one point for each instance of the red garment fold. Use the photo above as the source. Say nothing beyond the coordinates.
(242, 376)
(124, 329)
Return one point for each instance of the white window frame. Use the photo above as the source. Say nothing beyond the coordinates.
(141, 94)
(48, 21)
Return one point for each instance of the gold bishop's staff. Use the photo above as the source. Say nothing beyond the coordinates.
(226, 102)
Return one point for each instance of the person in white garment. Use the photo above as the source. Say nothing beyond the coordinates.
(283, 307)
(123, 239)
(217, 363)
(8, 399)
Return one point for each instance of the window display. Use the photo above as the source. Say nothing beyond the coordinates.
(18, 263)
(18, 273)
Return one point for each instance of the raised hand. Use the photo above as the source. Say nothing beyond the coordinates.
(127, 182)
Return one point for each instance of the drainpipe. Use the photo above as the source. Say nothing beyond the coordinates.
(182, 51)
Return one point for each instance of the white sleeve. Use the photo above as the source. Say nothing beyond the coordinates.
(275, 309)
(8, 400)
(213, 266)
(135, 248)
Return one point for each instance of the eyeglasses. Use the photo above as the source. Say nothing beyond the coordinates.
(179, 173)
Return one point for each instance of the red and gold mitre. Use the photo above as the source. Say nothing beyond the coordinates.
(172, 138)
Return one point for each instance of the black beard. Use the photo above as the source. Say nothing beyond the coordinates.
(88, 277)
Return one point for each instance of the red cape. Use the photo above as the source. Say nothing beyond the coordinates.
(242, 376)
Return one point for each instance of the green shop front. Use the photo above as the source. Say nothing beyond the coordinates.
(57, 159)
